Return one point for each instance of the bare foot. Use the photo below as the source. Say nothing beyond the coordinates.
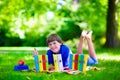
(83, 34)
(89, 35)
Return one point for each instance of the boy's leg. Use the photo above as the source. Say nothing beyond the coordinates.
(80, 45)
(90, 45)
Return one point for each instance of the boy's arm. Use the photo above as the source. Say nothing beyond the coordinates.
(79, 50)
(65, 56)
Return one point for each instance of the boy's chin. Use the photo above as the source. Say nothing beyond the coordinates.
(55, 51)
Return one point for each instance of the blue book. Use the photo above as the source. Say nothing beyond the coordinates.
(70, 60)
(21, 67)
(36, 62)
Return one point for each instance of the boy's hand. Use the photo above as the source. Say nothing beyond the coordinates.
(35, 52)
(51, 68)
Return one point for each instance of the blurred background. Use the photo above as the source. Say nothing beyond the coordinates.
(30, 22)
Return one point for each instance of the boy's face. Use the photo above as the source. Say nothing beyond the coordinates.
(54, 46)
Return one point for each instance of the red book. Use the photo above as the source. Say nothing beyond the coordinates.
(75, 62)
(44, 62)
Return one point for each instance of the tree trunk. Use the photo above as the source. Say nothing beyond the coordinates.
(112, 25)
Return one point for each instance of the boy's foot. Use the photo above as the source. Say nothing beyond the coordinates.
(83, 34)
(89, 35)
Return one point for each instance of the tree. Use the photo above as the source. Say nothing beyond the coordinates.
(112, 25)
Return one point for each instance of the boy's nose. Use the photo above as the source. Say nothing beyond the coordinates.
(52, 45)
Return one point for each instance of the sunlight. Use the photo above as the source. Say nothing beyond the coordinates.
(31, 22)
(28, 57)
(82, 24)
(23, 48)
(103, 40)
(116, 2)
(50, 15)
(60, 4)
(106, 56)
(119, 34)
(21, 33)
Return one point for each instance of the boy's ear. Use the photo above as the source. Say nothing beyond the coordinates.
(61, 43)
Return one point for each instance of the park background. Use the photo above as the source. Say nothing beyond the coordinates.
(25, 25)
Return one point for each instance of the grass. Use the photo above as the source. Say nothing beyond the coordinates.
(9, 56)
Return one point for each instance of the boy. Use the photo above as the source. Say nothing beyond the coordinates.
(56, 46)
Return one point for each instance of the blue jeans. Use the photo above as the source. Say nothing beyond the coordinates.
(92, 61)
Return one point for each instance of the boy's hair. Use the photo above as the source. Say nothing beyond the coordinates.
(53, 37)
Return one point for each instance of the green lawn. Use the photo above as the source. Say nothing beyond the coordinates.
(109, 59)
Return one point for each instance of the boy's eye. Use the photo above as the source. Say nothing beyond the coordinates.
(49, 44)
(54, 43)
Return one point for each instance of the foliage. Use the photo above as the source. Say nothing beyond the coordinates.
(33, 20)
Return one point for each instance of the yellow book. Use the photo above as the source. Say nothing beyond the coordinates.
(55, 62)
(73, 64)
(40, 62)
(85, 63)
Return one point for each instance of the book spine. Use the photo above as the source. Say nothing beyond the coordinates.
(40, 62)
(55, 62)
(76, 62)
(46, 57)
(44, 62)
(36, 62)
(85, 63)
(81, 61)
(70, 60)
(60, 63)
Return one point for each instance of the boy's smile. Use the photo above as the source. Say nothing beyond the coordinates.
(54, 46)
